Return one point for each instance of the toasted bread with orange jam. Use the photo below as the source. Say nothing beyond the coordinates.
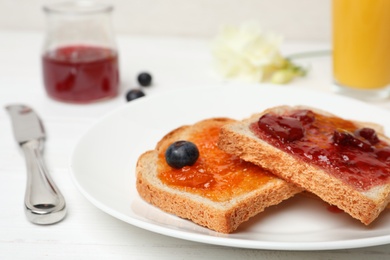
(345, 163)
(220, 191)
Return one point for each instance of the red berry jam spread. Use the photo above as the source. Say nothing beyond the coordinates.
(355, 155)
(81, 74)
(216, 175)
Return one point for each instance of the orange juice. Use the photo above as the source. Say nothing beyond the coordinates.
(361, 43)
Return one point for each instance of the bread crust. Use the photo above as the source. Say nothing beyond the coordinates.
(222, 217)
(236, 138)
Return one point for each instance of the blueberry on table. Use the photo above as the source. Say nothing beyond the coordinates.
(134, 94)
(181, 153)
(144, 79)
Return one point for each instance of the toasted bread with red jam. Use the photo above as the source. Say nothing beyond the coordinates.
(345, 163)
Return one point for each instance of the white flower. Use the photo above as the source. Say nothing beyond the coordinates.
(246, 52)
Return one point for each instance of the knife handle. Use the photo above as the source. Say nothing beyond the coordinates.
(44, 203)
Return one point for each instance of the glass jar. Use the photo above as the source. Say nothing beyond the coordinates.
(80, 58)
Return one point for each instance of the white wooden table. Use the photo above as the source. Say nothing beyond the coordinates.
(87, 232)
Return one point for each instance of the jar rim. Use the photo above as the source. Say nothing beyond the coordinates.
(77, 7)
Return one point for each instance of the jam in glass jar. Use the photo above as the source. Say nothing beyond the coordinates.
(80, 58)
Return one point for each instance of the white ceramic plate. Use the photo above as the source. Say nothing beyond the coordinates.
(103, 167)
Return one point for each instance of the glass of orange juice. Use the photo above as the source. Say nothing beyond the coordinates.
(361, 48)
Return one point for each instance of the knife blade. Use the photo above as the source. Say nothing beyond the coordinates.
(44, 203)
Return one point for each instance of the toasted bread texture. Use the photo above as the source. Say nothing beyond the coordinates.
(238, 139)
(222, 215)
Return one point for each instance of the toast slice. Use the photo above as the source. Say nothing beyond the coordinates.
(220, 191)
(362, 198)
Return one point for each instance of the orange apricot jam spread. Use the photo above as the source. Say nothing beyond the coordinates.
(352, 154)
(216, 175)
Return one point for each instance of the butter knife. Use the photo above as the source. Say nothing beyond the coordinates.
(44, 203)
